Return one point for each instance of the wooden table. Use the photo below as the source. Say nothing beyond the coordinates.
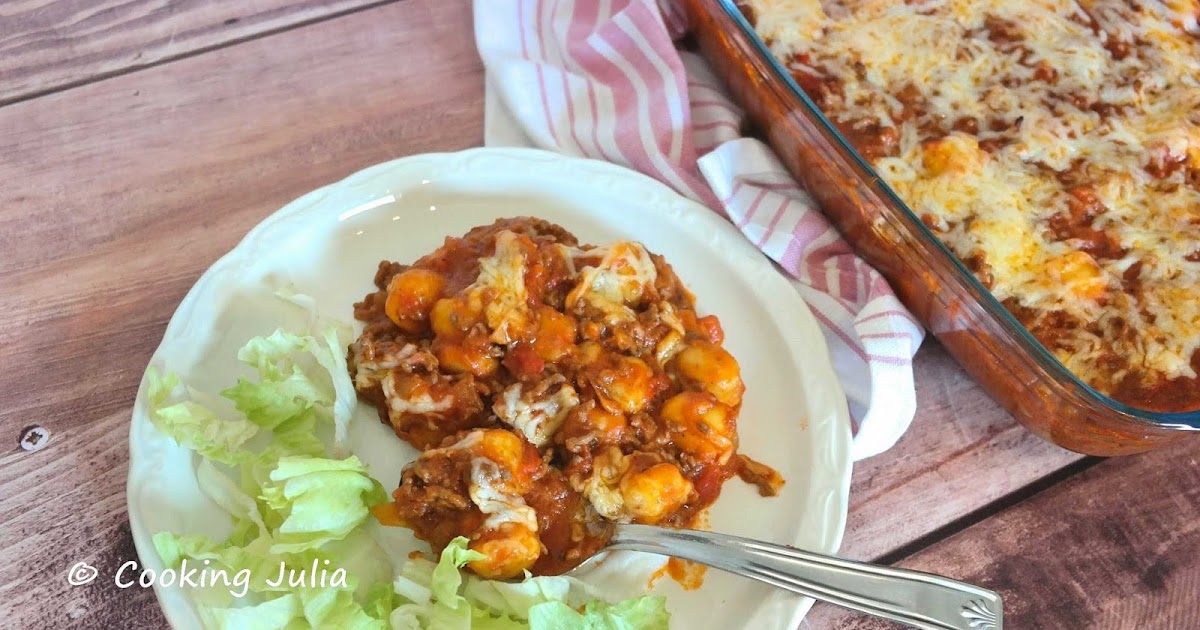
(140, 140)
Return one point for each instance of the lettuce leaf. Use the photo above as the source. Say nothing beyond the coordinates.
(226, 494)
(336, 608)
(271, 402)
(516, 598)
(284, 389)
(439, 596)
(195, 426)
(642, 613)
(332, 357)
(173, 548)
(320, 500)
(431, 592)
(287, 394)
(333, 335)
(281, 613)
(294, 509)
(380, 600)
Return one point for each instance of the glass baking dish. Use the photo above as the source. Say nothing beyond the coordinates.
(1000, 353)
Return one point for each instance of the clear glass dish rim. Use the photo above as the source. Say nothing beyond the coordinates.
(1183, 420)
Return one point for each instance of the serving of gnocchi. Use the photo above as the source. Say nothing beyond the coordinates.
(551, 386)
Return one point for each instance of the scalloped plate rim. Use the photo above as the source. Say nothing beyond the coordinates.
(833, 501)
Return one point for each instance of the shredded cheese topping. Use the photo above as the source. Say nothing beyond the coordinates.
(1053, 145)
(501, 283)
(422, 403)
(536, 412)
(501, 506)
(618, 282)
(601, 488)
(369, 372)
(487, 486)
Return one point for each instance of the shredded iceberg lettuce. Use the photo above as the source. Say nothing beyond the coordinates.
(441, 596)
(294, 508)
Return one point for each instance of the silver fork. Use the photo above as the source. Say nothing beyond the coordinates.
(920, 600)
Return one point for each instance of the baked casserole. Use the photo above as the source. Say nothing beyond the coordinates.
(1053, 146)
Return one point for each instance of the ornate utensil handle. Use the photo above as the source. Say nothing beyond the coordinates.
(921, 600)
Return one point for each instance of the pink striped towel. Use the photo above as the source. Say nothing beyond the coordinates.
(603, 79)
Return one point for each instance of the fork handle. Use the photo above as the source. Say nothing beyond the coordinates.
(920, 600)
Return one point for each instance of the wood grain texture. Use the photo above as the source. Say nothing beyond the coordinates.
(1115, 547)
(47, 44)
(962, 453)
(66, 510)
(118, 194)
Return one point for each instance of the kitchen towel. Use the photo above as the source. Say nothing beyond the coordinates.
(604, 79)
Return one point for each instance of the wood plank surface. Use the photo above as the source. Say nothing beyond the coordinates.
(962, 452)
(118, 195)
(1115, 547)
(48, 44)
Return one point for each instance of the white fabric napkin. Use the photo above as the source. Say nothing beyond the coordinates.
(604, 80)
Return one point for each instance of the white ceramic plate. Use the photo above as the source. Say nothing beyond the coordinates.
(328, 243)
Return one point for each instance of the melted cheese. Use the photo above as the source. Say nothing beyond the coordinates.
(467, 443)
(995, 205)
(671, 344)
(789, 20)
(369, 372)
(536, 413)
(602, 487)
(501, 283)
(487, 485)
(420, 404)
(497, 503)
(618, 282)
